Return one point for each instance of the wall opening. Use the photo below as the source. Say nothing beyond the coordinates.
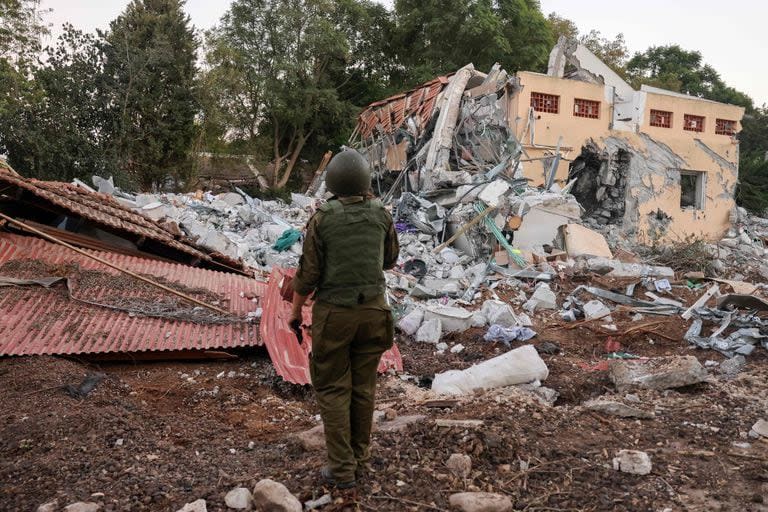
(600, 186)
(692, 189)
(542, 102)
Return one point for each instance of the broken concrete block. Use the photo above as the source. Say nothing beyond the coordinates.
(481, 502)
(497, 312)
(632, 461)
(596, 309)
(83, 506)
(231, 198)
(51, 506)
(452, 319)
(400, 423)
(616, 268)
(761, 428)
(459, 464)
(457, 348)
(581, 241)
(733, 366)
(493, 192)
(617, 409)
(479, 319)
(239, 498)
(517, 366)
(543, 298)
(218, 242)
(430, 331)
(275, 497)
(659, 373)
(411, 322)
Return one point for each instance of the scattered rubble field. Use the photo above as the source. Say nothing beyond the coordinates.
(154, 436)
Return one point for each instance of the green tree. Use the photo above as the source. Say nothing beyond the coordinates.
(21, 29)
(62, 132)
(436, 37)
(612, 52)
(282, 73)
(752, 192)
(673, 68)
(149, 68)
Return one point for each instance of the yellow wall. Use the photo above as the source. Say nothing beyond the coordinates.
(656, 190)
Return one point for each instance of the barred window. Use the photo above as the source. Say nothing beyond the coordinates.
(725, 127)
(586, 108)
(545, 102)
(661, 118)
(693, 123)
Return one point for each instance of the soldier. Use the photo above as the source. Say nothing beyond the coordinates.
(349, 242)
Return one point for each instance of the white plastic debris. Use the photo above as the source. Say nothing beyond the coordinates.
(517, 366)
(452, 319)
(430, 331)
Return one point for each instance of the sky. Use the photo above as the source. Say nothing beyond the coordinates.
(732, 47)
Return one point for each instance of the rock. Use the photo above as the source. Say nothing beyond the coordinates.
(312, 439)
(632, 461)
(491, 194)
(617, 409)
(239, 498)
(457, 348)
(51, 506)
(658, 373)
(451, 319)
(481, 502)
(272, 496)
(217, 242)
(761, 428)
(430, 331)
(411, 322)
(497, 312)
(82, 506)
(733, 366)
(542, 298)
(547, 347)
(195, 506)
(441, 347)
(459, 464)
(479, 319)
(400, 423)
(596, 309)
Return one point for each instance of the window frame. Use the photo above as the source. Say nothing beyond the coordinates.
(688, 118)
(721, 131)
(670, 116)
(700, 189)
(589, 103)
(535, 95)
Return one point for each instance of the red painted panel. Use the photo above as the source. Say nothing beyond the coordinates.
(291, 360)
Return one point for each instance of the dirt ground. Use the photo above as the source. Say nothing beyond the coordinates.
(153, 436)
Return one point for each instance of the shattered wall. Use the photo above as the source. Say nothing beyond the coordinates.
(630, 173)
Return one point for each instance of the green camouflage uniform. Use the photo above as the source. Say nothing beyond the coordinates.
(348, 244)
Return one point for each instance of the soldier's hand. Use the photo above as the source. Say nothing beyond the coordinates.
(295, 325)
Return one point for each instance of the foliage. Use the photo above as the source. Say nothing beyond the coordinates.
(673, 68)
(612, 52)
(149, 70)
(21, 28)
(691, 254)
(752, 192)
(440, 36)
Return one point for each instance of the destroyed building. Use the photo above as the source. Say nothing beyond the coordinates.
(654, 164)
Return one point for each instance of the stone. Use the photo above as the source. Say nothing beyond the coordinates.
(457, 348)
(617, 409)
(441, 347)
(596, 309)
(452, 319)
(733, 366)
(51, 506)
(657, 373)
(543, 298)
(430, 331)
(492, 193)
(272, 496)
(761, 428)
(459, 464)
(411, 322)
(481, 502)
(239, 498)
(312, 439)
(322, 501)
(82, 506)
(400, 423)
(218, 242)
(195, 506)
(497, 312)
(479, 319)
(632, 461)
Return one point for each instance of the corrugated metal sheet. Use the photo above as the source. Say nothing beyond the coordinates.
(46, 321)
(291, 360)
(386, 116)
(105, 211)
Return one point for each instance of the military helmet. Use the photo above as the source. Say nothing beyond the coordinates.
(348, 174)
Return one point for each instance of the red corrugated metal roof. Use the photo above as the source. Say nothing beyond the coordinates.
(291, 360)
(106, 212)
(388, 115)
(34, 320)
